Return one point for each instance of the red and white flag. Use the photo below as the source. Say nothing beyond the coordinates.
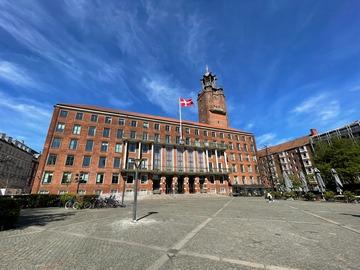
(186, 102)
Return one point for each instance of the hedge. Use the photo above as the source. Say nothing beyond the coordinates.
(9, 213)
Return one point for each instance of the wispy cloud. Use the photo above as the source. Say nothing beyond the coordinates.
(15, 74)
(266, 138)
(320, 107)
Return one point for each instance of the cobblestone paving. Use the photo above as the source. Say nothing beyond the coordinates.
(189, 232)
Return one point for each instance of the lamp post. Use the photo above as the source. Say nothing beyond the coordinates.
(137, 162)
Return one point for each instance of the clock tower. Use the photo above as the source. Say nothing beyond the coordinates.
(211, 102)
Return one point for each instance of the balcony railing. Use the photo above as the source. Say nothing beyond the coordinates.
(179, 170)
(163, 141)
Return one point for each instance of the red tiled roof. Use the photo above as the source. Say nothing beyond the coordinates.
(105, 110)
(284, 146)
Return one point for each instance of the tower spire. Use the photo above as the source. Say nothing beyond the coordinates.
(206, 69)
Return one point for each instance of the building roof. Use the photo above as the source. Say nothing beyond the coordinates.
(284, 146)
(154, 117)
(16, 143)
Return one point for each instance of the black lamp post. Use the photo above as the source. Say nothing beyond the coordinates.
(137, 162)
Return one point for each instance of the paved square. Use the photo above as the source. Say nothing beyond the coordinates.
(188, 232)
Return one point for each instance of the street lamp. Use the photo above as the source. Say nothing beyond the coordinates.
(137, 162)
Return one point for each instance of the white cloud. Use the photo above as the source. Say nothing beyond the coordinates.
(355, 88)
(14, 74)
(266, 138)
(249, 125)
(321, 107)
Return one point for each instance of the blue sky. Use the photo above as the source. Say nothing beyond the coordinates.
(285, 66)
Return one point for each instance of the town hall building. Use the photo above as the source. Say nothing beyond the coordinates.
(92, 150)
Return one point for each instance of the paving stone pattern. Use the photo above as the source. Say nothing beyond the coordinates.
(188, 233)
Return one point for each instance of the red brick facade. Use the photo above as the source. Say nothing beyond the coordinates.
(98, 144)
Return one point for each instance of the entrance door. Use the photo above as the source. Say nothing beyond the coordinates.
(168, 182)
(191, 185)
(180, 189)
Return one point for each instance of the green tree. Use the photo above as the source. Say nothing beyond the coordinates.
(343, 155)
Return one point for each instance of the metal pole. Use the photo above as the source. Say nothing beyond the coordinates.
(135, 194)
(123, 193)
(181, 139)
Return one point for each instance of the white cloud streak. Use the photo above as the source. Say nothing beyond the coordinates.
(15, 74)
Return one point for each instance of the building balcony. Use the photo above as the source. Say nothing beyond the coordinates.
(162, 141)
(179, 171)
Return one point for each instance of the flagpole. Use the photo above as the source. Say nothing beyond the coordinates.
(180, 122)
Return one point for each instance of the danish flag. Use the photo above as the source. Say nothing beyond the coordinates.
(186, 102)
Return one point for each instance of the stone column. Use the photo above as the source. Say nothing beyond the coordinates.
(186, 185)
(197, 185)
(217, 161)
(206, 185)
(124, 156)
(163, 184)
(174, 184)
(207, 159)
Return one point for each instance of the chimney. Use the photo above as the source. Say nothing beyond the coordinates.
(313, 132)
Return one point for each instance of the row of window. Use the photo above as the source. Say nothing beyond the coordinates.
(70, 159)
(157, 126)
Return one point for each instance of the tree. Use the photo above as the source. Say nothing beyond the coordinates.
(343, 155)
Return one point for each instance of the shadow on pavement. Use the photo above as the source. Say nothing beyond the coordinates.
(40, 218)
(148, 214)
(350, 215)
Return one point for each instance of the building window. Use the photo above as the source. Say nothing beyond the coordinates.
(66, 178)
(102, 162)
(145, 136)
(104, 147)
(130, 179)
(169, 158)
(94, 118)
(89, 145)
(177, 139)
(157, 126)
(191, 160)
(118, 148)
(229, 137)
(167, 128)
(107, 119)
(240, 157)
(144, 164)
(133, 123)
(121, 121)
(119, 134)
(245, 147)
(234, 169)
(231, 146)
(146, 125)
(242, 168)
(106, 132)
(69, 160)
(92, 131)
(132, 147)
(60, 127)
(201, 160)
(79, 116)
(244, 180)
(251, 180)
(237, 137)
(99, 178)
(236, 180)
(187, 130)
(157, 137)
(180, 160)
(187, 141)
(143, 178)
(63, 113)
(56, 143)
(213, 134)
(210, 167)
(115, 178)
(167, 138)
(221, 135)
(116, 163)
(145, 148)
(76, 129)
(157, 157)
(73, 144)
(86, 161)
(51, 159)
(133, 134)
(196, 132)
(177, 129)
(205, 133)
(84, 177)
(131, 164)
(47, 177)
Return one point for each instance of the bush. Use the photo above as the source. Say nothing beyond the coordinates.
(349, 196)
(309, 196)
(276, 195)
(329, 196)
(9, 213)
(65, 197)
(291, 194)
